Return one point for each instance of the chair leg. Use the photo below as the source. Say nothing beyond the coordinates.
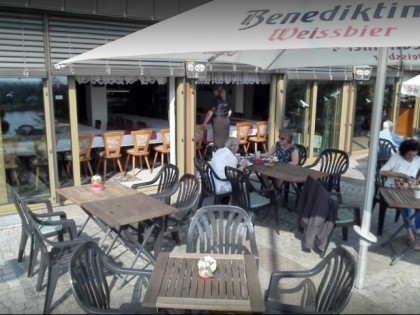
(147, 163)
(126, 162)
(155, 158)
(120, 167)
(23, 240)
(53, 274)
(345, 233)
(32, 257)
(89, 168)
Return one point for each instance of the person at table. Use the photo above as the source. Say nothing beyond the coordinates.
(219, 112)
(388, 133)
(226, 157)
(285, 151)
(404, 164)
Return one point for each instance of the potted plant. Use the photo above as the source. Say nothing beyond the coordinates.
(206, 267)
(97, 183)
(415, 186)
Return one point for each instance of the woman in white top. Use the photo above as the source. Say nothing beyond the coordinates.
(226, 157)
(405, 164)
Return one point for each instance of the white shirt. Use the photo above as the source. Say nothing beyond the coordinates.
(397, 163)
(221, 158)
(388, 135)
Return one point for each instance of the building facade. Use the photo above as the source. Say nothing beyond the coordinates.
(44, 108)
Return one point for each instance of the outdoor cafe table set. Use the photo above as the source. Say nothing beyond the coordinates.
(175, 282)
(117, 206)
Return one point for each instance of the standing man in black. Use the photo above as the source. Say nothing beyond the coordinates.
(220, 111)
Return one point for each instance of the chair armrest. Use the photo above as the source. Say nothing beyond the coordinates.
(166, 194)
(47, 203)
(144, 184)
(61, 214)
(69, 224)
(125, 271)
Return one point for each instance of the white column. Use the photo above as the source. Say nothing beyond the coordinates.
(98, 104)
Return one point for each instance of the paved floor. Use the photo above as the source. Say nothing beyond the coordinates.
(387, 289)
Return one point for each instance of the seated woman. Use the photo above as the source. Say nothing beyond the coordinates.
(285, 151)
(404, 164)
(226, 157)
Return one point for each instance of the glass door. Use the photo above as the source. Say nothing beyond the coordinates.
(23, 138)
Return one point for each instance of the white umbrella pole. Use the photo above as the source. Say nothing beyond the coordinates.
(370, 178)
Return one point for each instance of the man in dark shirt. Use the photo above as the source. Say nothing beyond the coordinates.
(220, 111)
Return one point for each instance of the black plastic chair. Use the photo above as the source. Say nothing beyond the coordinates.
(385, 149)
(89, 269)
(245, 195)
(54, 254)
(334, 162)
(319, 214)
(208, 187)
(222, 229)
(327, 288)
(303, 154)
(25, 130)
(187, 193)
(379, 182)
(166, 180)
(28, 230)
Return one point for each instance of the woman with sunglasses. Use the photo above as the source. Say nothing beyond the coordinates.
(285, 151)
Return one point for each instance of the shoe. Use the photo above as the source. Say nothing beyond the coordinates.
(414, 245)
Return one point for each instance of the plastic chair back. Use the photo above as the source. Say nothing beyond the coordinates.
(221, 229)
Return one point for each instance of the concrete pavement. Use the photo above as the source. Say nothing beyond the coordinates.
(387, 289)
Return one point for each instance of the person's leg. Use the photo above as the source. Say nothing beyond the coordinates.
(411, 240)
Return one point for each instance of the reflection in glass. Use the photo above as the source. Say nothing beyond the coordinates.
(23, 145)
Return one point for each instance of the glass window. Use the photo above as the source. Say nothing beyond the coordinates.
(23, 145)
(328, 115)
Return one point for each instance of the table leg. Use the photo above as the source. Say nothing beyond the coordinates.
(397, 257)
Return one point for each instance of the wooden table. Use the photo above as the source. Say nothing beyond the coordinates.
(287, 172)
(117, 206)
(175, 284)
(396, 198)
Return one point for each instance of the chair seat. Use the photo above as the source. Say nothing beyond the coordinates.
(255, 139)
(103, 154)
(344, 216)
(134, 152)
(161, 149)
(258, 200)
(48, 229)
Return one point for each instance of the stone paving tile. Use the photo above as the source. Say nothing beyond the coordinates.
(387, 289)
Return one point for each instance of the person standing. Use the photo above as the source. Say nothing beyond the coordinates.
(220, 111)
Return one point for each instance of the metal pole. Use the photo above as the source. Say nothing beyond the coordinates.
(373, 151)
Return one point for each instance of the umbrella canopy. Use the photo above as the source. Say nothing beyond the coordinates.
(411, 86)
(273, 34)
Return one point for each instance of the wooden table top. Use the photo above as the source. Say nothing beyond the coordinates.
(399, 198)
(82, 194)
(287, 172)
(175, 284)
(130, 209)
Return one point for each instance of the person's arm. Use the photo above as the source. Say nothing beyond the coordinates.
(229, 113)
(396, 139)
(387, 170)
(208, 117)
(295, 158)
(270, 152)
(393, 174)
